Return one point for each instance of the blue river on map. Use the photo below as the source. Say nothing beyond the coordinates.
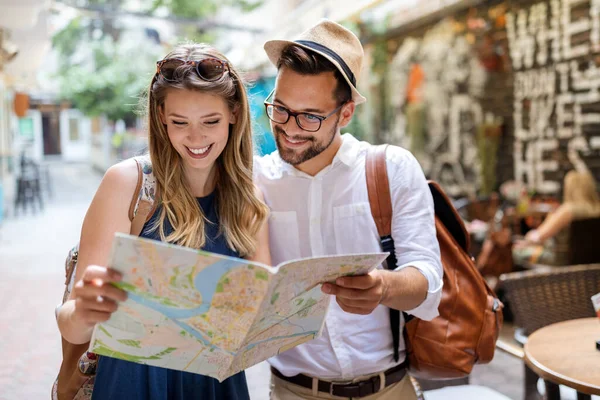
(206, 284)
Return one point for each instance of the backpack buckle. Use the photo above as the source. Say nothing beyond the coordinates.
(496, 305)
(387, 244)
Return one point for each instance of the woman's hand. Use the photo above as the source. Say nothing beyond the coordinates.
(520, 243)
(533, 236)
(95, 297)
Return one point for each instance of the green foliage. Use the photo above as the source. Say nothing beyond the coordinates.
(66, 40)
(186, 8)
(103, 71)
(380, 67)
(111, 84)
(355, 127)
(191, 33)
(202, 9)
(374, 125)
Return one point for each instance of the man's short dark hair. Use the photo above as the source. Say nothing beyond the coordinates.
(306, 62)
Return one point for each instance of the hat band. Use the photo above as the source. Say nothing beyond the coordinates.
(326, 50)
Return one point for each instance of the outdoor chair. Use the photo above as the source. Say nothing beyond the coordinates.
(546, 296)
(578, 246)
(583, 241)
(28, 186)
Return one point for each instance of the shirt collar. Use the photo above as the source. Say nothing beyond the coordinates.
(347, 151)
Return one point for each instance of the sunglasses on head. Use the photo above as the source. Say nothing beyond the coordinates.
(209, 69)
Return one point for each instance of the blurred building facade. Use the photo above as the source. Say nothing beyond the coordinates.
(24, 41)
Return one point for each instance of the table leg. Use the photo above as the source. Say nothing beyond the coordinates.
(552, 390)
(583, 396)
(530, 384)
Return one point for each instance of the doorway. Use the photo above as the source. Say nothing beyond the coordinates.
(51, 133)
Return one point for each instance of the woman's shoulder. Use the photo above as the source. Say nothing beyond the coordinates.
(122, 174)
(114, 197)
(584, 211)
(129, 176)
(564, 212)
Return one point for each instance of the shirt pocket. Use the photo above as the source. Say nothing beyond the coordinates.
(283, 236)
(355, 230)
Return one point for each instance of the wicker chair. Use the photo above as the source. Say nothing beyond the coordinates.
(545, 296)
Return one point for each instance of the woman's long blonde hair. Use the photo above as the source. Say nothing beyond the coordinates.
(581, 193)
(240, 212)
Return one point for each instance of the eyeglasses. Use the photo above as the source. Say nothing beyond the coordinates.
(210, 69)
(305, 121)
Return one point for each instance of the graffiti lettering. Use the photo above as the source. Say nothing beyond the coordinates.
(553, 103)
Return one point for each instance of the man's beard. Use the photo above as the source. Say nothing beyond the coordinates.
(296, 157)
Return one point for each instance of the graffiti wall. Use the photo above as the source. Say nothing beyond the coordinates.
(505, 91)
(555, 52)
(439, 83)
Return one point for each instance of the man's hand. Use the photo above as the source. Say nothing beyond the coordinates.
(401, 290)
(359, 294)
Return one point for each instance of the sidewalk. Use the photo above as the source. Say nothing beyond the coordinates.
(33, 248)
(32, 253)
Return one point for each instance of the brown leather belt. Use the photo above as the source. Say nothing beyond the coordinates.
(355, 389)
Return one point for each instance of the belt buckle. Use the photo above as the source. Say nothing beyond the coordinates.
(348, 385)
(339, 384)
(331, 384)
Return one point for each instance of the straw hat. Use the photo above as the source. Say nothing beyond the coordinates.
(332, 41)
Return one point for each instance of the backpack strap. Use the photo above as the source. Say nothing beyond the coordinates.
(449, 217)
(143, 203)
(380, 200)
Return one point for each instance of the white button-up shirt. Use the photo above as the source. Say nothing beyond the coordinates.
(329, 213)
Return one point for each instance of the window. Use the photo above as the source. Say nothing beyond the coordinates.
(74, 129)
(26, 128)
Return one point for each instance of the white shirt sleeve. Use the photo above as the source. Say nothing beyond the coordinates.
(413, 226)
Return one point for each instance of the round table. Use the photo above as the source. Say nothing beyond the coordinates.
(565, 354)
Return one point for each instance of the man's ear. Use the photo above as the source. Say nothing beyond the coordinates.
(347, 113)
(161, 114)
(233, 117)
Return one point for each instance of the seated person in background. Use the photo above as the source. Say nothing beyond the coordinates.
(580, 201)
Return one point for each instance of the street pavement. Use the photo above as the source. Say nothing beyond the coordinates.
(33, 247)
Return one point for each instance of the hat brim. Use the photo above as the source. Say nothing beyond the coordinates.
(274, 48)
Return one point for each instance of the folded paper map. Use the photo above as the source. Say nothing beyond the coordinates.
(213, 315)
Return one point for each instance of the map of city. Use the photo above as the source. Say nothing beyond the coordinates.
(213, 315)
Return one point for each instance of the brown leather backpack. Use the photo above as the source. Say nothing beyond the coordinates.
(470, 314)
(77, 373)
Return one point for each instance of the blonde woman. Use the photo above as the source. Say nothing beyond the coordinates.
(200, 149)
(580, 201)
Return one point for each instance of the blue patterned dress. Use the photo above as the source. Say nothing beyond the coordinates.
(118, 379)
